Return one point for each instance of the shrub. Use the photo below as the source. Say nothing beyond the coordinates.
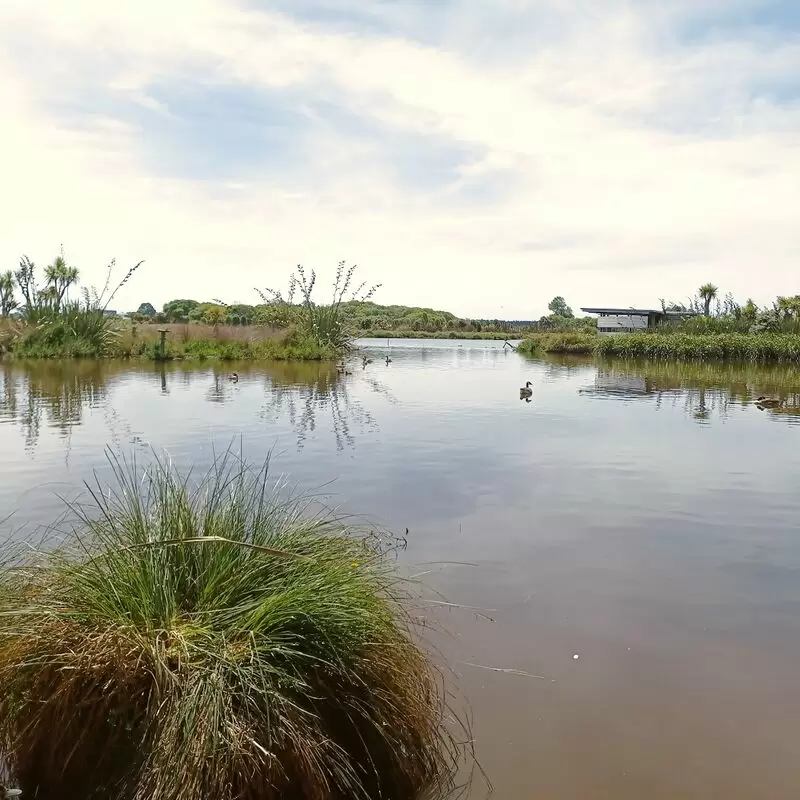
(325, 324)
(219, 641)
(576, 343)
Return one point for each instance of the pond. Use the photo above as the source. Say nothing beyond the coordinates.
(629, 536)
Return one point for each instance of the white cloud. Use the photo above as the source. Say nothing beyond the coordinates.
(612, 163)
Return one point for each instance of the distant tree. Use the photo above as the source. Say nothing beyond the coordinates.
(146, 310)
(558, 306)
(179, 310)
(7, 301)
(215, 315)
(707, 293)
(25, 277)
(239, 314)
(59, 276)
(750, 310)
(788, 306)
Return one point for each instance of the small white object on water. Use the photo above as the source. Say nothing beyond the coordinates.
(576, 656)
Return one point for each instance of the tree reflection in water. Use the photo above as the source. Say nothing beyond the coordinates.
(305, 394)
(52, 392)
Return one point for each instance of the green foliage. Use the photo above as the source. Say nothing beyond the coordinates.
(58, 328)
(72, 332)
(214, 314)
(707, 292)
(179, 310)
(276, 315)
(146, 310)
(292, 346)
(556, 322)
(578, 343)
(7, 300)
(559, 308)
(60, 277)
(779, 348)
(216, 641)
(325, 324)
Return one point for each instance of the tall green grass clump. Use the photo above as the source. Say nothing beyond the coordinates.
(55, 327)
(324, 323)
(214, 641)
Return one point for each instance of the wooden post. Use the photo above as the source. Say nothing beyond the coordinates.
(162, 345)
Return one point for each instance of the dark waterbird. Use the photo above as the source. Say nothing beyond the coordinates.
(768, 402)
(526, 391)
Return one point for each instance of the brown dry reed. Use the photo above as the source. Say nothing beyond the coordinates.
(215, 639)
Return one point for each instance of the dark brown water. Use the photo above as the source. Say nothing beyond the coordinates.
(643, 518)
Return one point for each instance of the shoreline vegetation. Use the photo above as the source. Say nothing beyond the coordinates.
(775, 348)
(223, 639)
(48, 324)
(706, 328)
(38, 319)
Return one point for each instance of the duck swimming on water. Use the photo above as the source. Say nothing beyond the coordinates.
(768, 402)
(234, 376)
(525, 391)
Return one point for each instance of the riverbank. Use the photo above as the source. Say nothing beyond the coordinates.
(189, 342)
(410, 334)
(758, 347)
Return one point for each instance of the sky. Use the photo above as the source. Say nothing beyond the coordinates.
(479, 156)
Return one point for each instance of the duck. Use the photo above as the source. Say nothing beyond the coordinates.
(388, 361)
(234, 376)
(525, 391)
(768, 402)
(365, 361)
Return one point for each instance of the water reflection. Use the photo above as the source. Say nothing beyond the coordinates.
(597, 520)
(322, 392)
(704, 391)
(309, 398)
(53, 393)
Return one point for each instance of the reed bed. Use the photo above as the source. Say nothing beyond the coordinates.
(776, 348)
(760, 347)
(214, 640)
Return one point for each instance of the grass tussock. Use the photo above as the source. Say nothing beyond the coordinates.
(214, 641)
(759, 347)
(566, 342)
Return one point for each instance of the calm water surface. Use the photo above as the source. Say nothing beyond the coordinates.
(644, 518)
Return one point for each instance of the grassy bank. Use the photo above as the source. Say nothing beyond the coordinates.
(755, 347)
(112, 338)
(218, 641)
(402, 334)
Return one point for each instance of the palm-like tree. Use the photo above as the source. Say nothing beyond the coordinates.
(707, 293)
(7, 301)
(60, 277)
